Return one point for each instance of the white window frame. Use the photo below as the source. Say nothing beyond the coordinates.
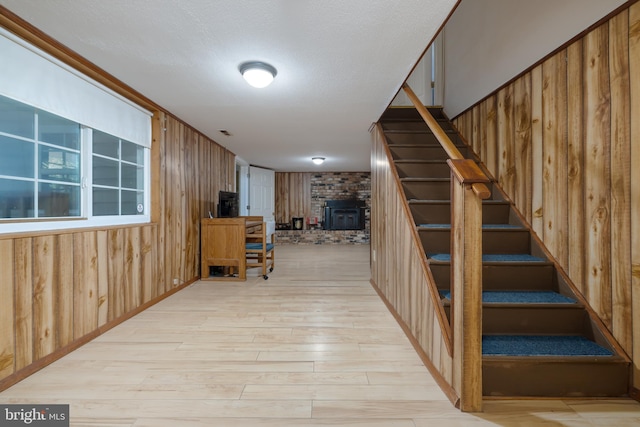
(33, 77)
(86, 218)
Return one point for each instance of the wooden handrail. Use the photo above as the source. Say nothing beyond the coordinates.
(480, 189)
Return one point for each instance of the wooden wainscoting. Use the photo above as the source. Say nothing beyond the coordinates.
(58, 288)
(398, 270)
(563, 139)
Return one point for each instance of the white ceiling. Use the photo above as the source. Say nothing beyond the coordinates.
(340, 63)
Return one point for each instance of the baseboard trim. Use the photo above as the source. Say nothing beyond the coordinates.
(45, 361)
(440, 380)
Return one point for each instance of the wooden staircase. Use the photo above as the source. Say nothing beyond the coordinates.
(538, 336)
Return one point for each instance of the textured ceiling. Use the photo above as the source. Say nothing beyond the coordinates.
(339, 64)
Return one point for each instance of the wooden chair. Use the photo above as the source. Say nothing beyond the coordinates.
(260, 247)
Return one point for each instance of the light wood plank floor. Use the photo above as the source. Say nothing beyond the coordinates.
(311, 346)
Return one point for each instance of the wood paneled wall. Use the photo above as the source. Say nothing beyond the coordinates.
(293, 195)
(563, 140)
(60, 289)
(398, 268)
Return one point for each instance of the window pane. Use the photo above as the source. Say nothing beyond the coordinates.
(132, 177)
(130, 202)
(16, 198)
(105, 144)
(132, 153)
(105, 172)
(59, 165)
(57, 200)
(17, 157)
(56, 130)
(105, 202)
(17, 118)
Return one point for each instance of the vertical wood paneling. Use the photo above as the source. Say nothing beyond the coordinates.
(482, 133)
(132, 268)
(7, 312)
(85, 284)
(620, 177)
(492, 136)
(159, 173)
(475, 129)
(102, 237)
(554, 151)
(597, 110)
(148, 265)
(575, 165)
(634, 70)
(117, 288)
(44, 322)
(522, 145)
(585, 162)
(64, 289)
(24, 302)
(293, 195)
(537, 169)
(505, 142)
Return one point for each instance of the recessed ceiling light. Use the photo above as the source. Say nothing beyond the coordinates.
(317, 160)
(258, 74)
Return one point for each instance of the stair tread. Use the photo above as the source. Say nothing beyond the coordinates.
(436, 161)
(541, 345)
(520, 297)
(448, 202)
(493, 258)
(414, 179)
(484, 226)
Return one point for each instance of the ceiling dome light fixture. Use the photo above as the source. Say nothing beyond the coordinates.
(258, 74)
(317, 160)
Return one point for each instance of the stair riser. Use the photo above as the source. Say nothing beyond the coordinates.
(505, 277)
(559, 378)
(419, 138)
(531, 321)
(423, 170)
(415, 126)
(542, 320)
(410, 114)
(421, 153)
(493, 241)
(492, 213)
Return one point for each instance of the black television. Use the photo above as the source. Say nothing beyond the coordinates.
(228, 204)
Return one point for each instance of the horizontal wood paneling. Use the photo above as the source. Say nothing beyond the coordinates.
(398, 267)
(581, 191)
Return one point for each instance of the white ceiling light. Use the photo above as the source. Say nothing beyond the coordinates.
(258, 74)
(317, 160)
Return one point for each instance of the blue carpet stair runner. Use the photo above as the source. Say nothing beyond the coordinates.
(540, 345)
(520, 297)
(484, 226)
(492, 258)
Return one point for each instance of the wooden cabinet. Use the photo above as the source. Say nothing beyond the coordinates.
(224, 243)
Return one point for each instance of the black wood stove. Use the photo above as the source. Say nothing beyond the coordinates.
(344, 214)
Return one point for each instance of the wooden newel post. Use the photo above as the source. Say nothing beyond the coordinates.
(467, 191)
